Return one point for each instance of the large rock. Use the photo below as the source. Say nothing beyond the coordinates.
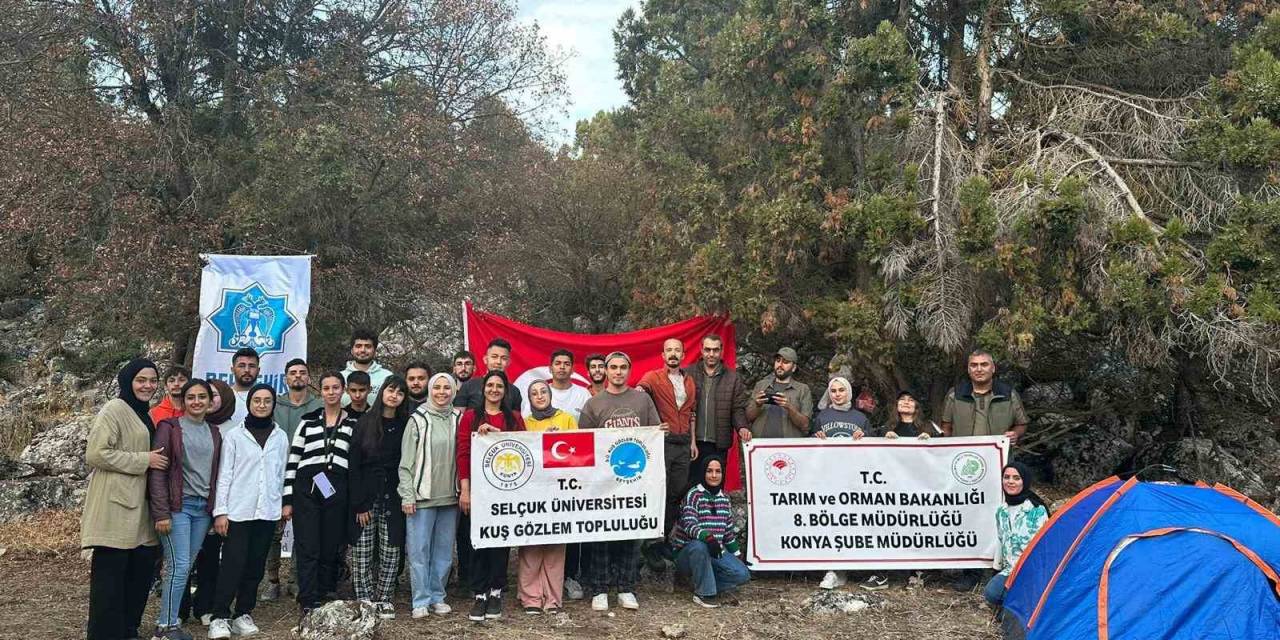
(341, 620)
(60, 450)
(1048, 396)
(24, 497)
(11, 469)
(1205, 460)
(1081, 452)
(835, 602)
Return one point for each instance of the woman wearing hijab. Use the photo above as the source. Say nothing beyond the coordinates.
(907, 421)
(488, 414)
(115, 523)
(1017, 521)
(222, 406)
(704, 533)
(429, 494)
(836, 416)
(375, 496)
(181, 497)
(246, 509)
(541, 566)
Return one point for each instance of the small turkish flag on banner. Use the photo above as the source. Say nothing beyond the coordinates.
(568, 449)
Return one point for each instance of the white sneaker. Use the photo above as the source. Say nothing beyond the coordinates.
(420, 612)
(832, 580)
(219, 629)
(206, 619)
(628, 600)
(244, 626)
(600, 602)
(441, 609)
(573, 590)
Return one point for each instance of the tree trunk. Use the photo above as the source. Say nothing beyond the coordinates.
(956, 55)
(1186, 401)
(985, 91)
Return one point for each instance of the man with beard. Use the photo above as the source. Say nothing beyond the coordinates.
(364, 351)
(416, 376)
(674, 395)
(780, 407)
(289, 410)
(464, 366)
(595, 373)
(496, 358)
(722, 402)
(244, 374)
(171, 405)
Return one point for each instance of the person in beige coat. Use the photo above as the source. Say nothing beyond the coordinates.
(116, 524)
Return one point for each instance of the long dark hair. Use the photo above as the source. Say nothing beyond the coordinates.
(370, 424)
(477, 404)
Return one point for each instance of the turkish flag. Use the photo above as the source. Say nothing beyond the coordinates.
(568, 449)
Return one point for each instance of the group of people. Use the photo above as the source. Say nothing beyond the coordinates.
(222, 467)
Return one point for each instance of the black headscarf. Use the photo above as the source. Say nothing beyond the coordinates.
(704, 462)
(254, 423)
(1026, 493)
(125, 378)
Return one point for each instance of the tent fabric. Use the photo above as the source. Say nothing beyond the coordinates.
(1175, 558)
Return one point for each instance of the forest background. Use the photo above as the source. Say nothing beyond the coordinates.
(1086, 188)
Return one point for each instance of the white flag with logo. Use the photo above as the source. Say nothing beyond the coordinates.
(259, 302)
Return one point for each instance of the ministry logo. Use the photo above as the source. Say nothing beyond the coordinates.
(251, 317)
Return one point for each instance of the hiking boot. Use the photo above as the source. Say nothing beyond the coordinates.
(600, 602)
(628, 600)
(244, 626)
(493, 609)
(477, 609)
(220, 629)
(706, 601)
(833, 580)
(573, 590)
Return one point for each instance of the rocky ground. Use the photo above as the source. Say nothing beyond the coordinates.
(45, 590)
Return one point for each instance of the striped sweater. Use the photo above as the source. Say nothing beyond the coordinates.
(703, 516)
(317, 448)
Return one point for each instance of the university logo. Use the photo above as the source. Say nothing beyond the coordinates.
(968, 467)
(508, 465)
(628, 458)
(780, 468)
(251, 317)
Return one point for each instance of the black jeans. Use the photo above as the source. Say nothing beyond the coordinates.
(577, 560)
(119, 582)
(489, 569)
(320, 534)
(676, 451)
(244, 561)
(463, 538)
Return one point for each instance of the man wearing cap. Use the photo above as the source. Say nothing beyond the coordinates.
(616, 563)
(780, 406)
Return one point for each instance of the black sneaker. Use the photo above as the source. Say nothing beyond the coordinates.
(493, 607)
(477, 609)
(706, 601)
(532, 611)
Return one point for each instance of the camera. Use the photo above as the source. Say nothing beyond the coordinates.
(768, 395)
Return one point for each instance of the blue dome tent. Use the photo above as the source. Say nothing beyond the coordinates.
(1130, 560)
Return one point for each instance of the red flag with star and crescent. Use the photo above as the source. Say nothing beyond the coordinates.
(568, 449)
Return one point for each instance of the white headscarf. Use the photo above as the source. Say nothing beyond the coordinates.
(431, 405)
(825, 402)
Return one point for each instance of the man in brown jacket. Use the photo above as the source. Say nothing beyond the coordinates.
(722, 400)
(674, 395)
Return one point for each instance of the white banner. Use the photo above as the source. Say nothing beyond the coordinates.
(566, 486)
(873, 503)
(252, 301)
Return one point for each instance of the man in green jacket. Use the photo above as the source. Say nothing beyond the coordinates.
(983, 406)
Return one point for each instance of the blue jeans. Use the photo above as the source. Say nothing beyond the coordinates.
(711, 576)
(429, 535)
(994, 593)
(180, 548)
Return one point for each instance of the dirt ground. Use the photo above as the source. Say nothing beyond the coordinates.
(44, 594)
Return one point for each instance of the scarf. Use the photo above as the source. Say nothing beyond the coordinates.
(125, 378)
(702, 473)
(1026, 493)
(825, 402)
(430, 406)
(544, 413)
(227, 398)
(254, 423)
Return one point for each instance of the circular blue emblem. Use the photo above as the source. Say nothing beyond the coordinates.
(628, 459)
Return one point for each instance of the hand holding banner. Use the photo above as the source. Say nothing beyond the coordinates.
(566, 486)
(874, 503)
